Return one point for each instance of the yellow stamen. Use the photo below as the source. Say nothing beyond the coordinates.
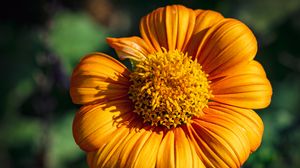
(169, 88)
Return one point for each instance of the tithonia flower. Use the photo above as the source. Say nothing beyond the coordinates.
(187, 102)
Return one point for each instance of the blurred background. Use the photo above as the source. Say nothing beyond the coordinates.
(41, 41)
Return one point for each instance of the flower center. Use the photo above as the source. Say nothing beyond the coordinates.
(169, 88)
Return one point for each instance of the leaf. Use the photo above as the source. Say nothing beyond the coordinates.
(74, 35)
(63, 148)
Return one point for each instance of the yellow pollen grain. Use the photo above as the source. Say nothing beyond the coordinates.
(169, 88)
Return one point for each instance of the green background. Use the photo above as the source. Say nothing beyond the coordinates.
(42, 41)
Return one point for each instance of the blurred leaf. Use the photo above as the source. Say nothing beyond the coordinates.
(264, 15)
(284, 95)
(20, 131)
(17, 95)
(63, 148)
(19, 48)
(74, 35)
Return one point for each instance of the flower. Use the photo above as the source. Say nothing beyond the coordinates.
(188, 101)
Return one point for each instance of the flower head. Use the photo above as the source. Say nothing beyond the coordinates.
(188, 101)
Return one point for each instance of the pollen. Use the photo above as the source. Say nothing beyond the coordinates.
(169, 89)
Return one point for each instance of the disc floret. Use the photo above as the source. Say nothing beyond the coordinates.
(169, 88)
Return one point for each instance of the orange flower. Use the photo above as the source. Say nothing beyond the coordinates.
(187, 103)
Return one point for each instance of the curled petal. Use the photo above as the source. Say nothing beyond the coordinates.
(99, 77)
(131, 47)
(246, 88)
(170, 27)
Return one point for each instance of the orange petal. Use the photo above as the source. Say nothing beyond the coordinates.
(148, 154)
(247, 120)
(224, 45)
(177, 150)
(247, 88)
(108, 155)
(219, 142)
(166, 152)
(183, 152)
(90, 156)
(133, 147)
(105, 155)
(170, 27)
(252, 67)
(197, 162)
(204, 20)
(94, 123)
(99, 77)
(131, 47)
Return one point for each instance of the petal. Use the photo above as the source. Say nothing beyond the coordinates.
(252, 67)
(183, 152)
(140, 143)
(224, 45)
(94, 123)
(170, 27)
(177, 150)
(247, 88)
(247, 120)
(99, 77)
(148, 154)
(166, 152)
(204, 20)
(108, 155)
(219, 142)
(132, 146)
(131, 47)
(197, 162)
(90, 156)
